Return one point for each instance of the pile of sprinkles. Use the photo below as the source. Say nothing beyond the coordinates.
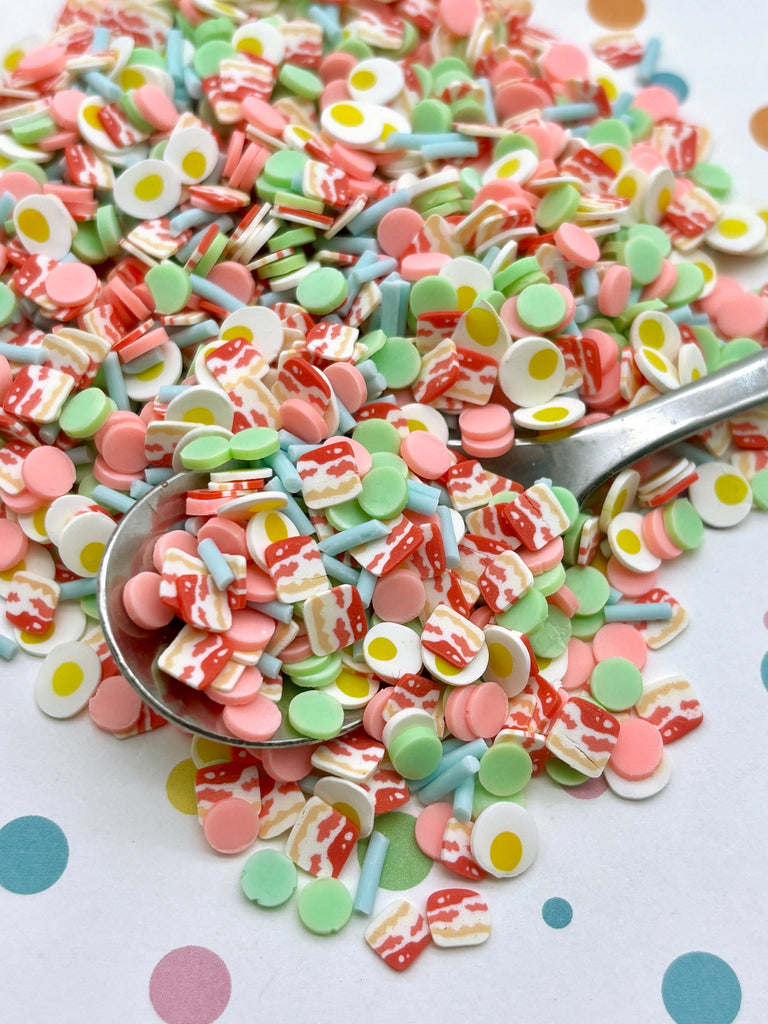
(296, 248)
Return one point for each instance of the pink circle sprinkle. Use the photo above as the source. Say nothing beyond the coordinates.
(190, 985)
(71, 284)
(589, 790)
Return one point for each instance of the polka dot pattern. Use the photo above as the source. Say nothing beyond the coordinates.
(557, 912)
(33, 854)
(701, 988)
(190, 985)
(617, 14)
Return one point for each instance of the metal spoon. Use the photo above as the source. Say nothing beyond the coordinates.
(580, 462)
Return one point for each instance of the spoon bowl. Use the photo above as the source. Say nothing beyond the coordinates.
(136, 650)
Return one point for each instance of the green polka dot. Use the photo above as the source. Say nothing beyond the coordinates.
(550, 581)
(584, 627)
(325, 906)
(384, 493)
(398, 361)
(616, 683)
(432, 294)
(505, 768)
(558, 205)
(377, 436)
(405, 864)
(512, 142)
(610, 131)
(563, 773)
(268, 878)
(654, 234)
(483, 798)
(85, 412)
(415, 753)
(208, 57)
(688, 286)
(683, 523)
(254, 443)
(205, 453)
(300, 81)
(736, 349)
(280, 168)
(551, 638)
(316, 714)
(345, 515)
(759, 484)
(431, 115)
(170, 287)
(322, 291)
(712, 177)
(180, 787)
(590, 587)
(7, 304)
(541, 307)
(643, 259)
(526, 614)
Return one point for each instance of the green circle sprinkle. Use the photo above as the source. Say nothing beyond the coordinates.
(541, 307)
(377, 436)
(205, 453)
(505, 768)
(616, 683)
(384, 493)
(322, 291)
(405, 864)
(325, 906)
(416, 752)
(563, 773)
(399, 362)
(85, 412)
(551, 638)
(254, 443)
(170, 287)
(268, 878)
(316, 714)
(683, 523)
(591, 588)
(525, 614)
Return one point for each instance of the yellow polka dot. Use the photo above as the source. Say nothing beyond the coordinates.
(552, 414)
(352, 684)
(90, 556)
(500, 660)
(149, 188)
(508, 168)
(37, 638)
(12, 59)
(239, 331)
(211, 751)
(193, 164)
(542, 364)
(38, 521)
(252, 46)
(198, 415)
(132, 78)
(628, 542)
(445, 667)
(348, 811)
(506, 851)
(34, 225)
(151, 372)
(90, 115)
(275, 528)
(482, 326)
(651, 334)
(731, 489)
(466, 296)
(732, 227)
(66, 679)
(362, 79)
(655, 360)
(180, 787)
(381, 648)
(627, 187)
(416, 425)
(347, 115)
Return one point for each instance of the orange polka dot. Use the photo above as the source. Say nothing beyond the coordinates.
(758, 127)
(616, 14)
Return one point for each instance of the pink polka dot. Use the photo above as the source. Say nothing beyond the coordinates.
(588, 790)
(190, 985)
(765, 620)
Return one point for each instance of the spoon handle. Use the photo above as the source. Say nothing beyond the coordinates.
(614, 443)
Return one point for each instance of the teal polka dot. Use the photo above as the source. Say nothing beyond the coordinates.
(557, 912)
(764, 670)
(33, 854)
(700, 988)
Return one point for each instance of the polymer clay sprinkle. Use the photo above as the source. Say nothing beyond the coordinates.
(288, 256)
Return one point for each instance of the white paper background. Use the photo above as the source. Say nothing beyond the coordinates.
(647, 881)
